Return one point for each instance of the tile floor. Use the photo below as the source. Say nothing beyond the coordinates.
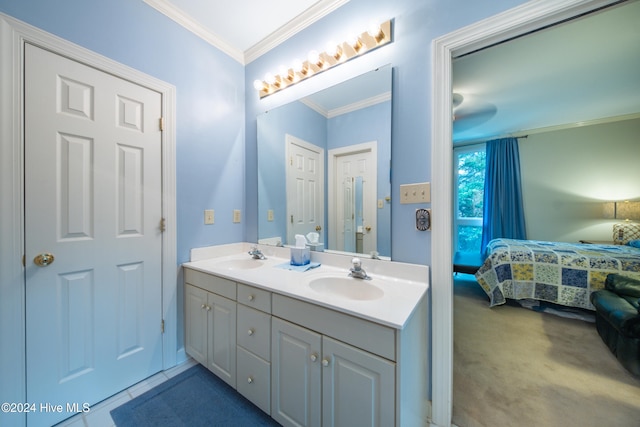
(99, 415)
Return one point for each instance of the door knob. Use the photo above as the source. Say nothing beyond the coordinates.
(368, 228)
(43, 260)
(318, 228)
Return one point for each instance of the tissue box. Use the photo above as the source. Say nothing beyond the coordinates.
(300, 256)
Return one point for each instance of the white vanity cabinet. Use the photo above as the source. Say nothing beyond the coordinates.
(304, 363)
(210, 323)
(320, 381)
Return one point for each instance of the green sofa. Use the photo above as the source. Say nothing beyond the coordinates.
(618, 319)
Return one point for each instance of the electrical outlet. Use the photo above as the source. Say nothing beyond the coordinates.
(236, 215)
(415, 193)
(270, 215)
(209, 216)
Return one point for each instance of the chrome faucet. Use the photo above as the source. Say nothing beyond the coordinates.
(256, 253)
(356, 271)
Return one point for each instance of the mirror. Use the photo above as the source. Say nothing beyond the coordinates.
(324, 168)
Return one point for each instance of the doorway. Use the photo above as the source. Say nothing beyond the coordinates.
(352, 198)
(512, 23)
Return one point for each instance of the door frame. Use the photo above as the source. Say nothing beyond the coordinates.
(520, 20)
(333, 155)
(13, 36)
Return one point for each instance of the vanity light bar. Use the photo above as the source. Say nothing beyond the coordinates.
(317, 62)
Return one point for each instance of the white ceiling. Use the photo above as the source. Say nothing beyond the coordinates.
(245, 29)
(580, 71)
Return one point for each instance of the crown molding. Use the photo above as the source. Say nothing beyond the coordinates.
(180, 17)
(299, 23)
(358, 105)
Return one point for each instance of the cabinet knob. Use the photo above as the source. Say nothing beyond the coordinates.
(203, 306)
(208, 308)
(250, 331)
(249, 380)
(251, 297)
(325, 362)
(313, 357)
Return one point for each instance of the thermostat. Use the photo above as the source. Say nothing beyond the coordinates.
(423, 219)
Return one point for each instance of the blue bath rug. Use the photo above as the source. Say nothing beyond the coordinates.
(194, 398)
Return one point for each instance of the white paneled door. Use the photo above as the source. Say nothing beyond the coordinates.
(305, 188)
(93, 240)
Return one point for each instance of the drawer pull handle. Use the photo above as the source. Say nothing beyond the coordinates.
(325, 362)
(249, 380)
(250, 332)
(251, 297)
(313, 357)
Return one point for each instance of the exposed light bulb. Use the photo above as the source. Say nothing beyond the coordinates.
(269, 78)
(354, 42)
(334, 50)
(375, 31)
(284, 73)
(314, 58)
(297, 66)
(258, 85)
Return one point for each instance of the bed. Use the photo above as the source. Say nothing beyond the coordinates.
(561, 273)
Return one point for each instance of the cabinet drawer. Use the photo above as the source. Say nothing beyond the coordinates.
(217, 285)
(369, 336)
(254, 331)
(254, 379)
(254, 297)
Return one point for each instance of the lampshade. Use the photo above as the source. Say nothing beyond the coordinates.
(628, 210)
(625, 210)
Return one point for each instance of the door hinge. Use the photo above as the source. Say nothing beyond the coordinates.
(161, 124)
(163, 225)
(162, 326)
(24, 260)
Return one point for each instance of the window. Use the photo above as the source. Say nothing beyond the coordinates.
(469, 168)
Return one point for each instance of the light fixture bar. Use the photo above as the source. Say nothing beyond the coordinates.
(373, 38)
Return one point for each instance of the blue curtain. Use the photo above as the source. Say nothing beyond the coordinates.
(503, 214)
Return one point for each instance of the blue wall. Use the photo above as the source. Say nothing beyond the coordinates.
(210, 100)
(415, 24)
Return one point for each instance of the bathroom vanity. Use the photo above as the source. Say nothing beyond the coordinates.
(316, 347)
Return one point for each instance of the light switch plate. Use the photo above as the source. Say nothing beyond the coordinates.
(209, 217)
(415, 193)
(236, 215)
(270, 215)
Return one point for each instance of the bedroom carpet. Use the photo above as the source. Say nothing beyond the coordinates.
(514, 366)
(193, 398)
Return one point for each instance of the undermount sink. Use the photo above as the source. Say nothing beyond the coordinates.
(240, 264)
(346, 287)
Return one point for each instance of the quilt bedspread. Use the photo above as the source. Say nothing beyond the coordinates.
(562, 273)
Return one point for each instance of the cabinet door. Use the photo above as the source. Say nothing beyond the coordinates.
(295, 375)
(358, 388)
(222, 338)
(195, 313)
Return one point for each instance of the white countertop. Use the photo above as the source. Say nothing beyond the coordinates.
(404, 285)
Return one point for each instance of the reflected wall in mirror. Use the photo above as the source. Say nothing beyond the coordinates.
(324, 167)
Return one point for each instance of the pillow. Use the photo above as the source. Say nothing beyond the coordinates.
(634, 243)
